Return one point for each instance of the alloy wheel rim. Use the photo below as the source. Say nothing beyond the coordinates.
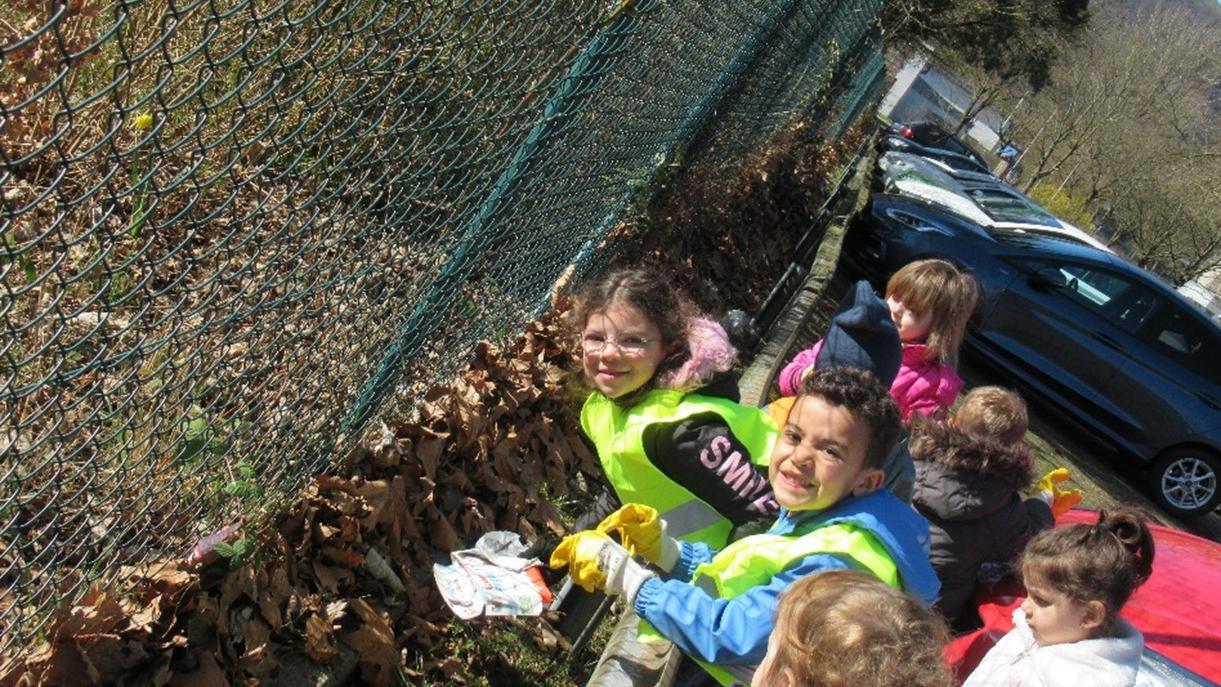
(1189, 483)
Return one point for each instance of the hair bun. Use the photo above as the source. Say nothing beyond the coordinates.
(1129, 528)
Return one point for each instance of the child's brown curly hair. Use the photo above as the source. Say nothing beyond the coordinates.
(846, 628)
(860, 393)
(1103, 562)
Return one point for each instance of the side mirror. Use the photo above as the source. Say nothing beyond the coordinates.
(1047, 279)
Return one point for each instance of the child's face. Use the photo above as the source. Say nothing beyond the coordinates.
(912, 326)
(1054, 618)
(820, 457)
(621, 349)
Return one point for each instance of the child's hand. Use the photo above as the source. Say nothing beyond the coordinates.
(1059, 500)
(595, 561)
(643, 533)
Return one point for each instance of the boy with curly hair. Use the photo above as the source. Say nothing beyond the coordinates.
(826, 473)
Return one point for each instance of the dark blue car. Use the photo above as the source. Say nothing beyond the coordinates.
(1111, 344)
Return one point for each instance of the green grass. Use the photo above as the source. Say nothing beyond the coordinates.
(506, 652)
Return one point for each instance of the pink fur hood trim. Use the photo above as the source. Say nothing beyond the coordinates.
(711, 353)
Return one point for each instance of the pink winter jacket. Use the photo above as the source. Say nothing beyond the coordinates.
(921, 386)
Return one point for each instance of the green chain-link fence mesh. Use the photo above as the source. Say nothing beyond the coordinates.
(236, 230)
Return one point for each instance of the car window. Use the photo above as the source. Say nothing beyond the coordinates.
(927, 133)
(1176, 333)
(956, 146)
(964, 164)
(1120, 300)
(933, 135)
(1003, 206)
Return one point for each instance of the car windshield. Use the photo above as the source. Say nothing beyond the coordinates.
(930, 134)
(963, 164)
(1003, 206)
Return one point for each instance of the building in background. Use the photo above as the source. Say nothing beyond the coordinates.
(1205, 290)
(923, 91)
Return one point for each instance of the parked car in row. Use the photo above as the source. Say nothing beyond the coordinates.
(1112, 345)
(930, 140)
(985, 200)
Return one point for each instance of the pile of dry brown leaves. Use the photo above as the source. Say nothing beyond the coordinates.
(346, 574)
(344, 578)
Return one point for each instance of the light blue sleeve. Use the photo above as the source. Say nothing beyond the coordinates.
(690, 556)
(726, 632)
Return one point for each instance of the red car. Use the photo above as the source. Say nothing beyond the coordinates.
(1178, 610)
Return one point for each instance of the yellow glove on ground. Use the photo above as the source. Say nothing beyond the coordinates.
(595, 561)
(643, 533)
(1059, 500)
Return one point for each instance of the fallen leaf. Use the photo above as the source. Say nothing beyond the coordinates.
(441, 532)
(331, 579)
(97, 613)
(428, 453)
(320, 643)
(332, 483)
(257, 633)
(108, 657)
(373, 643)
(342, 556)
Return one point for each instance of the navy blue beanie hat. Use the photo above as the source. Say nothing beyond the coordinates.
(863, 335)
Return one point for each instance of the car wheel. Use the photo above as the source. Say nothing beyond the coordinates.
(1184, 481)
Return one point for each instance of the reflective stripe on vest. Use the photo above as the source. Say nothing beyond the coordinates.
(753, 562)
(618, 435)
(690, 517)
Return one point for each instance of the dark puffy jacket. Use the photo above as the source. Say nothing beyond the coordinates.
(970, 491)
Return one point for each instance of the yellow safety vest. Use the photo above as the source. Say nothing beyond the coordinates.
(753, 562)
(618, 435)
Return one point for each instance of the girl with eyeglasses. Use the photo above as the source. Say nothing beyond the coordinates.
(663, 411)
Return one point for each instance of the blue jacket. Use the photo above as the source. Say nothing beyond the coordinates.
(735, 631)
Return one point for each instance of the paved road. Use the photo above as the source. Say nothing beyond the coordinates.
(1105, 476)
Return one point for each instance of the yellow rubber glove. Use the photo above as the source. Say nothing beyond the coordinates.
(1060, 500)
(596, 562)
(643, 533)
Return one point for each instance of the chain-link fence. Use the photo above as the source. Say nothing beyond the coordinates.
(236, 230)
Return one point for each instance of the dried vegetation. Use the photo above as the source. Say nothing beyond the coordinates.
(344, 576)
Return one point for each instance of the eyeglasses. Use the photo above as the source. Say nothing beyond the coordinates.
(629, 346)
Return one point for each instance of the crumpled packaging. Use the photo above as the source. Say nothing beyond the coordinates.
(493, 579)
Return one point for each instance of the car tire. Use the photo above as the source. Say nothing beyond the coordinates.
(1185, 481)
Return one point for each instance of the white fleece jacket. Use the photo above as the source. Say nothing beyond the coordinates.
(1018, 661)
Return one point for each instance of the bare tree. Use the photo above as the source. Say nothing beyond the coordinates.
(1014, 41)
(1127, 125)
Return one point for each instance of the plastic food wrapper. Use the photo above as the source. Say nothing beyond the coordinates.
(493, 579)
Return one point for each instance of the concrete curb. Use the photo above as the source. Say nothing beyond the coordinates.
(797, 327)
(627, 662)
